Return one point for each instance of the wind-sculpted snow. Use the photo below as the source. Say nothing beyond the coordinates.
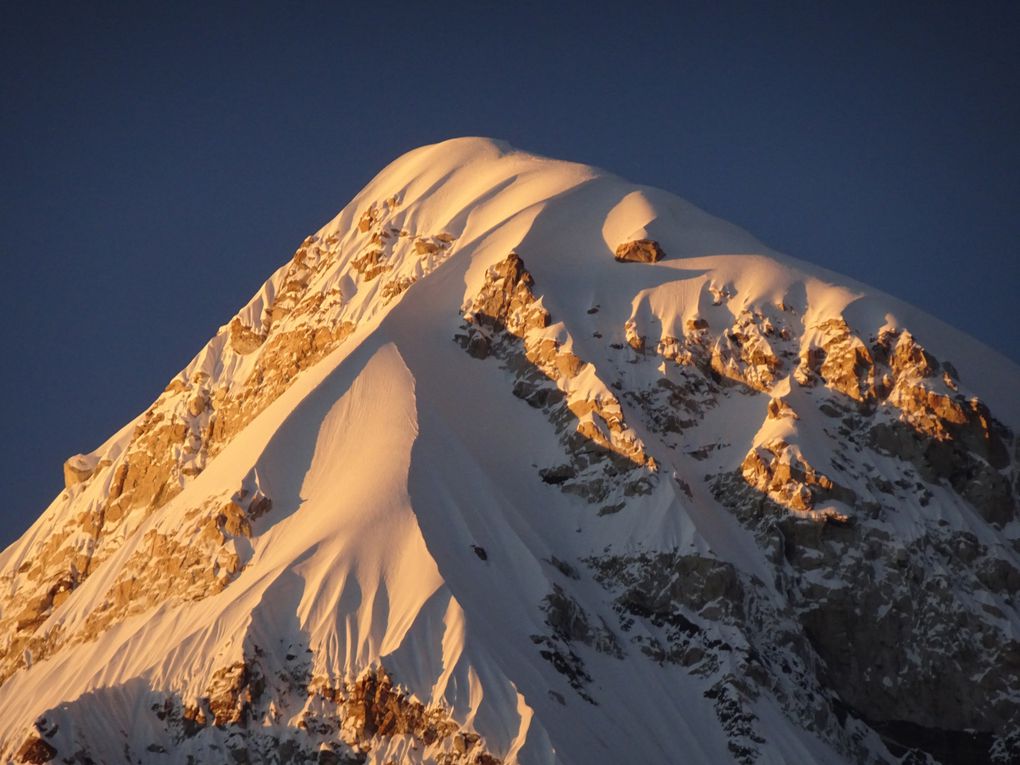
(517, 462)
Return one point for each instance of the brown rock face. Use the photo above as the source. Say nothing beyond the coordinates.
(244, 339)
(36, 751)
(78, 469)
(354, 716)
(506, 310)
(193, 419)
(900, 644)
(283, 357)
(503, 321)
(187, 425)
(506, 300)
(754, 351)
(945, 435)
(681, 601)
(376, 708)
(639, 251)
(233, 691)
(842, 360)
(744, 352)
(780, 472)
(188, 563)
(368, 219)
(370, 265)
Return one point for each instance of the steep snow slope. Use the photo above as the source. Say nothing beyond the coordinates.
(459, 486)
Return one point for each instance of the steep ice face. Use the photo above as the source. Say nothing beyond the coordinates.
(515, 461)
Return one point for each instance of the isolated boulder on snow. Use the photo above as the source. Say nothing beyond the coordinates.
(640, 251)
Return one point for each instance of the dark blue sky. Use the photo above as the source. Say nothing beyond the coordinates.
(159, 160)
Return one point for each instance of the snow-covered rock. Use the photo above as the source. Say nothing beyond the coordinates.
(460, 485)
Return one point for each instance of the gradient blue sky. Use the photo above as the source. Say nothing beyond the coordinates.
(159, 160)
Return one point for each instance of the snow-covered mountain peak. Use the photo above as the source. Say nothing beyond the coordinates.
(516, 461)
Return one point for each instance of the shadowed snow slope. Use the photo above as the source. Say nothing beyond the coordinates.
(457, 486)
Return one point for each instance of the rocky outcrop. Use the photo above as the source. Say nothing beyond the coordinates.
(505, 303)
(314, 719)
(744, 353)
(79, 469)
(914, 409)
(304, 317)
(569, 624)
(884, 424)
(933, 659)
(878, 612)
(373, 707)
(247, 713)
(705, 365)
(841, 360)
(388, 247)
(639, 251)
(701, 614)
(779, 471)
(189, 563)
(282, 358)
(370, 265)
(606, 459)
(244, 339)
(753, 351)
(35, 751)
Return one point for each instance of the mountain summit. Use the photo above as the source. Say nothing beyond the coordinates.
(517, 462)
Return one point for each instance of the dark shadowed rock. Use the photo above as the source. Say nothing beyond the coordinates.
(35, 750)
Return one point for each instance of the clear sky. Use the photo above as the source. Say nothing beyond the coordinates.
(159, 160)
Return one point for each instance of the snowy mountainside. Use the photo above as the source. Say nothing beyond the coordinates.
(517, 462)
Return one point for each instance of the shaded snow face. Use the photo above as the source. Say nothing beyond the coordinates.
(515, 461)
